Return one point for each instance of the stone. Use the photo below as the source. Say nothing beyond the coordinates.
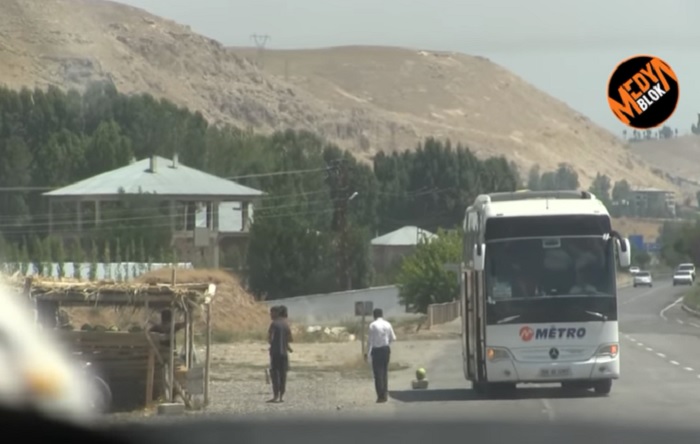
(171, 408)
(419, 385)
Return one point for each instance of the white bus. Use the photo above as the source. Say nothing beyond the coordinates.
(539, 293)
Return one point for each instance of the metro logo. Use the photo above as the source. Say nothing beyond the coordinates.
(527, 333)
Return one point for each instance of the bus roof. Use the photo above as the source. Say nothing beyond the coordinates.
(537, 203)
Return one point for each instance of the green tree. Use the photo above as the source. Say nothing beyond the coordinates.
(24, 258)
(423, 279)
(108, 148)
(563, 178)
(641, 258)
(600, 187)
(60, 256)
(94, 261)
(533, 179)
(37, 255)
(49, 255)
(78, 256)
(680, 242)
(118, 259)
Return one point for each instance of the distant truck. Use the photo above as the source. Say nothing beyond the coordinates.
(539, 293)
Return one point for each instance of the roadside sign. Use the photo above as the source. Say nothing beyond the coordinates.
(364, 308)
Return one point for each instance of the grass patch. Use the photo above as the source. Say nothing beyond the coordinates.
(692, 298)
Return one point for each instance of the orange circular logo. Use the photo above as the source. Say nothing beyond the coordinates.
(526, 333)
(643, 92)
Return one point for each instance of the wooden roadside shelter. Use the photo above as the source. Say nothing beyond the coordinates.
(139, 365)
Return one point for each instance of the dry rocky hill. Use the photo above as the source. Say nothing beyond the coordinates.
(679, 156)
(366, 99)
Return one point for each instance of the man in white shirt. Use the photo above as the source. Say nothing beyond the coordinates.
(381, 335)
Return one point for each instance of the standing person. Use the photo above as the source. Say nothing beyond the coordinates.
(166, 318)
(280, 335)
(381, 335)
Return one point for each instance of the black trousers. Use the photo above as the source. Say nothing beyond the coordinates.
(279, 366)
(380, 367)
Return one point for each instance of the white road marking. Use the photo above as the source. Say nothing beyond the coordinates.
(694, 324)
(637, 296)
(680, 322)
(662, 313)
(661, 355)
(548, 408)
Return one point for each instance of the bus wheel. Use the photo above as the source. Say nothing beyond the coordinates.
(603, 387)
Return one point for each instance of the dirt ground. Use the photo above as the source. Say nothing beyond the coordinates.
(344, 357)
(324, 377)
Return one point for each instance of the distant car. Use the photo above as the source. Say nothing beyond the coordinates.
(682, 277)
(634, 270)
(687, 266)
(642, 279)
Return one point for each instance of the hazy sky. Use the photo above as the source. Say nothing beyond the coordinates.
(566, 48)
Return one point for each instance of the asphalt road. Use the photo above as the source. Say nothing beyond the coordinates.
(660, 380)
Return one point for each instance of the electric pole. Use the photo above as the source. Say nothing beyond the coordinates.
(260, 42)
(341, 198)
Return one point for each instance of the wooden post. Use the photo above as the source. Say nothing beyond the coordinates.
(188, 345)
(207, 359)
(150, 376)
(362, 332)
(171, 358)
(190, 339)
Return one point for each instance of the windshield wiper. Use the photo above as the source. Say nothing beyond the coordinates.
(596, 314)
(507, 319)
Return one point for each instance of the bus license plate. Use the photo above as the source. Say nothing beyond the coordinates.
(554, 372)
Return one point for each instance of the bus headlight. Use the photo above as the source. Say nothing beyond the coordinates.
(496, 354)
(610, 350)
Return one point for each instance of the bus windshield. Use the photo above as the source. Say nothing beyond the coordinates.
(550, 267)
(562, 279)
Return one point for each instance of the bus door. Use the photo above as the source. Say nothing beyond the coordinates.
(468, 330)
(474, 345)
(479, 319)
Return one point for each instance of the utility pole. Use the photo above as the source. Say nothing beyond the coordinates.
(340, 223)
(260, 41)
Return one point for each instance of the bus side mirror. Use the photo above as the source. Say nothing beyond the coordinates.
(479, 254)
(624, 253)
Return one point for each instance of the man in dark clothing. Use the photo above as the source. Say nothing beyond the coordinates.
(166, 318)
(280, 335)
